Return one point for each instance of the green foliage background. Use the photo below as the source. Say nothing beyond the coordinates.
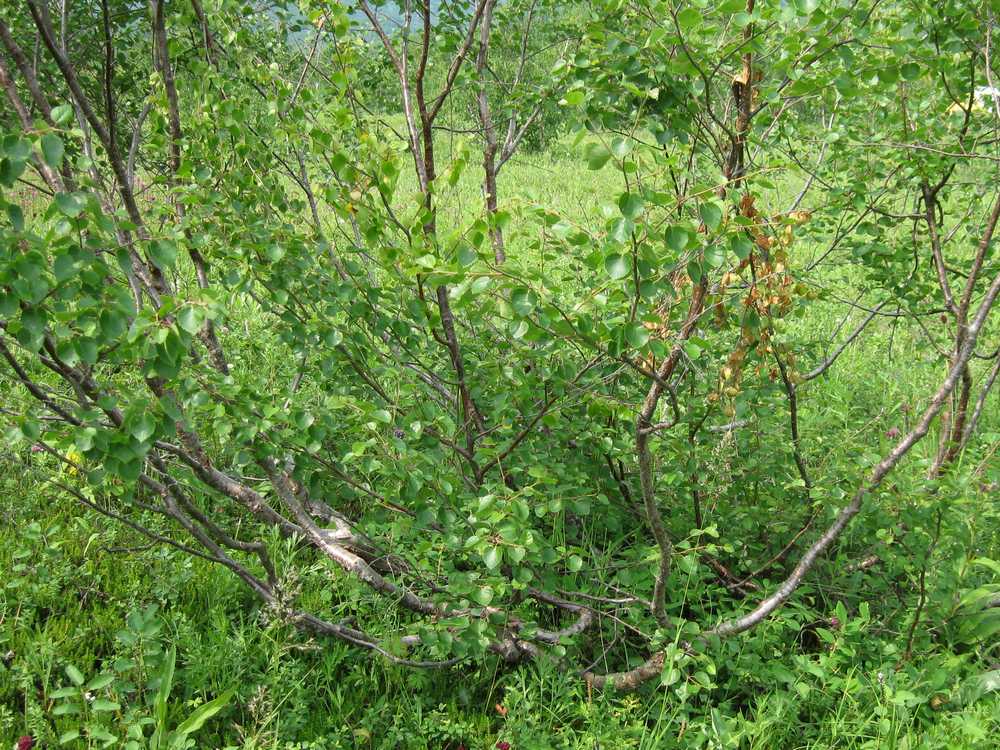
(92, 614)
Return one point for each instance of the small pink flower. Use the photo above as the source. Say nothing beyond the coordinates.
(892, 432)
(24, 743)
(36, 448)
(501, 745)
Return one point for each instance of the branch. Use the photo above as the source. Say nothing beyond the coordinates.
(825, 364)
(456, 62)
(207, 332)
(775, 600)
(793, 418)
(930, 203)
(642, 424)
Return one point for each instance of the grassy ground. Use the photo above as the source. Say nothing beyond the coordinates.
(77, 580)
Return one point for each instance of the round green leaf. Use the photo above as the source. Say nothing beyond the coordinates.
(190, 318)
(741, 246)
(143, 428)
(636, 335)
(677, 238)
(711, 214)
(715, 255)
(630, 205)
(617, 266)
(163, 253)
(70, 204)
(597, 155)
(688, 19)
(52, 150)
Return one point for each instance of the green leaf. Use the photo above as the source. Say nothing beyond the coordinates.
(741, 246)
(74, 674)
(597, 155)
(523, 301)
(669, 676)
(688, 19)
(427, 260)
(63, 267)
(87, 350)
(636, 335)
(16, 217)
(31, 430)
(621, 147)
(715, 255)
(163, 253)
(101, 681)
(711, 214)
(70, 204)
(677, 238)
(159, 738)
(16, 148)
(695, 270)
(483, 595)
(100, 733)
(466, 255)
(692, 349)
(631, 205)
(52, 150)
(203, 713)
(979, 685)
(574, 563)
(62, 114)
(33, 320)
(190, 318)
(621, 230)
(10, 170)
(617, 266)
(989, 563)
(69, 736)
(102, 704)
(113, 324)
(143, 428)
(492, 557)
(480, 285)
